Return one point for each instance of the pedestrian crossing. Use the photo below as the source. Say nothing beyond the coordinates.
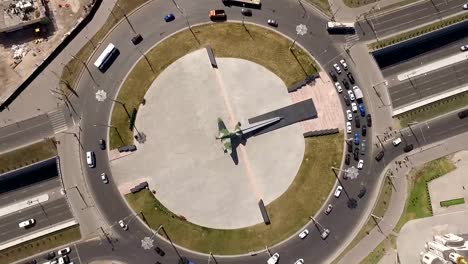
(352, 38)
(57, 119)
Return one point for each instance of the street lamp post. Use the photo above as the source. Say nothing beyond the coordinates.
(300, 30)
(412, 132)
(126, 18)
(86, 67)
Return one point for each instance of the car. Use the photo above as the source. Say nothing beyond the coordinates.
(273, 259)
(350, 77)
(338, 87)
(246, 12)
(363, 147)
(299, 261)
(160, 251)
(396, 142)
(123, 225)
(360, 164)
(356, 154)
(304, 233)
(349, 114)
(357, 138)
(408, 148)
(362, 192)
(354, 107)
(55, 261)
(465, 7)
(344, 64)
(169, 17)
(104, 178)
(464, 48)
(333, 76)
(348, 127)
(357, 121)
(463, 114)
(369, 120)
(364, 130)
(32, 261)
(137, 39)
(379, 155)
(63, 260)
(347, 158)
(325, 233)
(272, 22)
(102, 144)
(217, 15)
(350, 146)
(362, 110)
(50, 255)
(346, 100)
(345, 84)
(351, 95)
(64, 251)
(338, 191)
(337, 68)
(91, 159)
(329, 209)
(27, 223)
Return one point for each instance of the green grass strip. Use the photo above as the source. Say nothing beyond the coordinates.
(449, 203)
(27, 155)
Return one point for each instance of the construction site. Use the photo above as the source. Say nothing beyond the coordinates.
(29, 31)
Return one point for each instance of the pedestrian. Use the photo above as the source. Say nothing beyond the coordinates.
(463, 187)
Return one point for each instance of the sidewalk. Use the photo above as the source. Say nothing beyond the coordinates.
(37, 98)
(398, 199)
(343, 13)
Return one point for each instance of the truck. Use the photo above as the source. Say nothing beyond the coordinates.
(217, 14)
(357, 93)
(246, 3)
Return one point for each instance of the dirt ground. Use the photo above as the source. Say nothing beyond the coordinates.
(64, 15)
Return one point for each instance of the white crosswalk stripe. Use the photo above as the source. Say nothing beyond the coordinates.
(352, 38)
(57, 119)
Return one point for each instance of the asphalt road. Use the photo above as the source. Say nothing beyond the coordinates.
(25, 192)
(403, 19)
(427, 85)
(46, 214)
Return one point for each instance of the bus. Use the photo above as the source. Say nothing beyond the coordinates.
(340, 28)
(244, 3)
(106, 58)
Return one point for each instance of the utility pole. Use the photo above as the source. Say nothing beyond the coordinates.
(146, 58)
(411, 129)
(126, 18)
(170, 240)
(86, 67)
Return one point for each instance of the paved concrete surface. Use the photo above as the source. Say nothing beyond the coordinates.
(190, 173)
(343, 13)
(17, 206)
(451, 186)
(327, 103)
(390, 257)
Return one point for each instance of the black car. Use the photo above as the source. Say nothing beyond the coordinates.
(346, 100)
(379, 155)
(350, 77)
(362, 192)
(50, 255)
(369, 120)
(350, 146)
(160, 251)
(356, 154)
(137, 39)
(347, 159)
(364, 130)
(408, 148)
(346, 84)
(357, 121)
(333, 76)
(246, 12)
(33, 261)
(102, 144)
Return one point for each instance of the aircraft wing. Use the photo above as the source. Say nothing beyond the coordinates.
(227, 145)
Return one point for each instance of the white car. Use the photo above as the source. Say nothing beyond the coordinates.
(329, 209)
(344, 64)
(348, 127)
(464, 48)
(354, 107)
(64, 251)
(337, 68)
(338, 87)
(27, 223)
(304, 233)
(465, 6)
(299, 261)
(273, 259)
(338, 191)
(325, 233)
(349, 114)
(104, 178)
(360, 164)
(351, 95)
(396, 142)
(63, 260)
(123, 225)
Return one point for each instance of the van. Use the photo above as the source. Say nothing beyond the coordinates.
(90, 159)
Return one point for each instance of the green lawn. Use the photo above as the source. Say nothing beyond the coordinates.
(27, 155)
(379, 210)
(358, 3)
(434, 109)
(39, 245)
(322, 5)
(418, 204)
(452, 202)
(252, 43)
(288, 213)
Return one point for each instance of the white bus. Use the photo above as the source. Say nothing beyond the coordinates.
(340, 28)
(107, 57)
